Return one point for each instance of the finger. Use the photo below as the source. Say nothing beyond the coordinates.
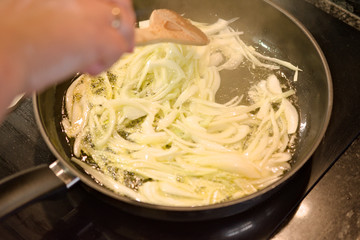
(115, 24)
(124, 3)
(124, 20)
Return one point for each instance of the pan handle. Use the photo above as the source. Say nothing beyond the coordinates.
(33, 184)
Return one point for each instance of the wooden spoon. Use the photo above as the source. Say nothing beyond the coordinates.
(168, 26)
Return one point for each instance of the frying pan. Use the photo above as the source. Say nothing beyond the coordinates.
(267, 27)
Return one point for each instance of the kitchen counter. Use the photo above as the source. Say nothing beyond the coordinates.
(347, 11)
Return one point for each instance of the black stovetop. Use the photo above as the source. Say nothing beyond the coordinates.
(78, 215)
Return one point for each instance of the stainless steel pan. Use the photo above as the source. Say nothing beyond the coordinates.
(267, 27)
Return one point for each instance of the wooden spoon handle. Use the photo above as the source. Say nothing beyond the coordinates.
(168, 26)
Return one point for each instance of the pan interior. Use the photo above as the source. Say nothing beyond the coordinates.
(265, 28)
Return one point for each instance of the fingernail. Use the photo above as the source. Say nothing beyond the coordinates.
(95, 69)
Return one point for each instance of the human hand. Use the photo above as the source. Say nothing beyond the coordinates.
(47, 41)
